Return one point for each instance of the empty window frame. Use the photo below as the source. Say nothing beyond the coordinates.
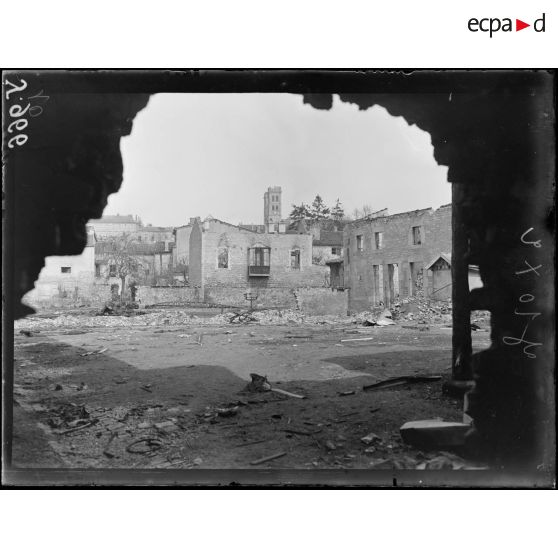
(259, 256)
(379, 240)
(359, 245)
(223, 257)
(416, 236)
(295, 259)
(65, 270)
(335, 251)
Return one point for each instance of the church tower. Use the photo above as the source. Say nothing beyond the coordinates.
(272, 209)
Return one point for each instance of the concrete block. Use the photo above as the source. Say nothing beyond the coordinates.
(434, 433)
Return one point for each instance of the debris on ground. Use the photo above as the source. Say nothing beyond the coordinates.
(268, 458)
(370, 439)
(242, 317)
(145, 445)
(434, 433)
(385, 322)
(25, 332)
(67, 415)
(258, 384)
(118, 308)
(227, 412)
(287, 393)
(401, 380)
(100, 352)
(106, 451)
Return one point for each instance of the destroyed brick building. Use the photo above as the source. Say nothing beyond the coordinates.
(225, 256)
(385, 256)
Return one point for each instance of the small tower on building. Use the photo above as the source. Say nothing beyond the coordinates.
(272, 209)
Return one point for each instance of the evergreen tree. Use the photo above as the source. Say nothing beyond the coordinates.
(338, 212)
(319, 210)
(300, 212)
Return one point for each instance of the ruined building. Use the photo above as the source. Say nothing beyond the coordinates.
(225, 256)
(494, 130)
(385, 257)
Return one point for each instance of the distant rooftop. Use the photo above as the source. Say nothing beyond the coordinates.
(137, 248)
(329, 238)
(150, 228)
(112, 219)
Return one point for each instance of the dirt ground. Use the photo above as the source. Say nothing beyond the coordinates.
(137, 396)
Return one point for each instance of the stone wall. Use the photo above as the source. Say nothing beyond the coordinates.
(73, 294)
(267, 297)
(311, 300)
(322, 302)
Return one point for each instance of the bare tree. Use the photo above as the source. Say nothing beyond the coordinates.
(362, 212)
(122, 263)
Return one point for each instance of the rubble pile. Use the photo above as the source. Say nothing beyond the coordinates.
(422, 310)
(418, 310)
(278, 317)
(127, 309)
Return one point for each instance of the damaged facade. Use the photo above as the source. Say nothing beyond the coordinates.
(225, 255)
(385, 257)
(66, 277)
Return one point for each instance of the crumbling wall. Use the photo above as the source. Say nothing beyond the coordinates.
(95, 295)
(322, 302)
(397, 248)
(279, 297)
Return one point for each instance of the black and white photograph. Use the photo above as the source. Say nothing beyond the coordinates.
(279, 278)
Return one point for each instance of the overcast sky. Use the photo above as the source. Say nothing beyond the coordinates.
(199, 154)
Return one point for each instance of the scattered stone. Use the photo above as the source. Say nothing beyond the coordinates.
(370, 439)
(329, 445)
(385, 322)
(433, 433)
(228, 412)
(268, 458)
(165, 425)
(380, 462)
